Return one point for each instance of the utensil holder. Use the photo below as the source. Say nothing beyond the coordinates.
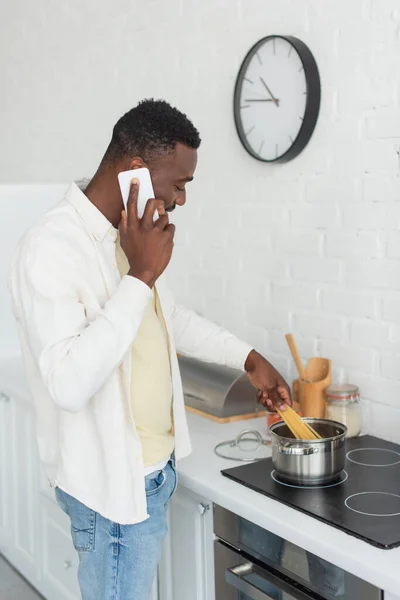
(310, 393)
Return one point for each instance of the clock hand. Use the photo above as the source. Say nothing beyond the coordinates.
(275, 100)
(260, 100)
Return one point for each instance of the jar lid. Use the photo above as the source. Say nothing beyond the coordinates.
(343, 391)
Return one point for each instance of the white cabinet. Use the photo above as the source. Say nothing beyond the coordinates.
(186, 570)
(24, 480)
(34, 532)
(6, 461)
(59, 560)
(19, 468)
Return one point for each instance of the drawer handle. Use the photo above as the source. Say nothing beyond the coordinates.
(67, 564)
(236, 577)
(203, 508)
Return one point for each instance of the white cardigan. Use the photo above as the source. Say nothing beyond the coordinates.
(77, 320)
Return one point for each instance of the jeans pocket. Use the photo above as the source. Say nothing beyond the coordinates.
(175, 475)
(154, 482)
(83, 521)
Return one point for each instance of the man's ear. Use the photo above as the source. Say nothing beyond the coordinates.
(136, 163)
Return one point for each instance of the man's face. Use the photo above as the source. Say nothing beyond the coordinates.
(170, 175)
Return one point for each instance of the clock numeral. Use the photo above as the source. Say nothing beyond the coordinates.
(301, 118)
(274, 45)
(249, 131)
(291, 139)
(276, 150)
(301, 69)
(290, 51)
(248, 80)
(245, 106)
(259, 59)
(261, 147)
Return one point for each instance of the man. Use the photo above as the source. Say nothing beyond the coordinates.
(99, 332)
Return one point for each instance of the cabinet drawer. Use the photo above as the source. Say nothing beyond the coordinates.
(59, 558)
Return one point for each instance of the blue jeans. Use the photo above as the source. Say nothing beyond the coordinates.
(119, 562)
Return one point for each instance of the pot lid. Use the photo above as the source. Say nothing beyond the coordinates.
(248, 446)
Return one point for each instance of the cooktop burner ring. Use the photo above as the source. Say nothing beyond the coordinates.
(344, 476)
(391, 498)
(369, 460)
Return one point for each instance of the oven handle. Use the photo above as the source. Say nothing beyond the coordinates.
(235, 577)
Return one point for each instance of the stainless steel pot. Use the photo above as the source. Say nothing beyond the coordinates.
(309, 462)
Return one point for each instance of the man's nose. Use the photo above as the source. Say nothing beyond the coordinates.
(181, 200)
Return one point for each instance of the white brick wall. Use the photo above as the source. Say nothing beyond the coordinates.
(311, 246)
(393, 244)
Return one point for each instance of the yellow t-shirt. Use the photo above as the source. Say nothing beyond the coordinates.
(151, 382)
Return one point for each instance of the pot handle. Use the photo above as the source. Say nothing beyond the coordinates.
(298, 451)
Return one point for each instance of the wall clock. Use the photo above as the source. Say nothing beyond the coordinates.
(277, 98)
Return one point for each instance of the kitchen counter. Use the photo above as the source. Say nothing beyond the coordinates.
(200, 472)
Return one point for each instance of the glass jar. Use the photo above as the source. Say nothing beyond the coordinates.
(343, 405)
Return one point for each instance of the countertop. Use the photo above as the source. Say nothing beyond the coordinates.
(200, 472)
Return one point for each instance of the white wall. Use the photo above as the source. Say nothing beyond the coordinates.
(312, 246)
(20, 207)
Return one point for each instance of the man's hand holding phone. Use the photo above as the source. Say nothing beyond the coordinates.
(147, 244)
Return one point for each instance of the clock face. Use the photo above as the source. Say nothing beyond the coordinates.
(277, 98)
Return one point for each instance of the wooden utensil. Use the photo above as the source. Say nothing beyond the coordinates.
(310, 392)
(296, 356)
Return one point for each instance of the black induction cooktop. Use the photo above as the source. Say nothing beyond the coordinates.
(365, 502)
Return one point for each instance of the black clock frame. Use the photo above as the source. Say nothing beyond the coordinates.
(312, 104)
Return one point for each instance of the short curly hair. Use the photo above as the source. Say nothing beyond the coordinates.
(150, 130)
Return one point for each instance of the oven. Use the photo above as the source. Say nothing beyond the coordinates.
(254, 564)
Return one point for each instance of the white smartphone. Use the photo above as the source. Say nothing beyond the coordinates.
(145, 188)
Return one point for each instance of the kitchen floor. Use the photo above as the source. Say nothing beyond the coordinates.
(13, 586)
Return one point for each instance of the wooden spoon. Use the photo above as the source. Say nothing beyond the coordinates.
(296, 357)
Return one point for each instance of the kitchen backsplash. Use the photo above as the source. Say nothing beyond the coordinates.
(311, 246)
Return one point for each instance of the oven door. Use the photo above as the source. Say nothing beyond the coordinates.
(237, 578)
(278, 562)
